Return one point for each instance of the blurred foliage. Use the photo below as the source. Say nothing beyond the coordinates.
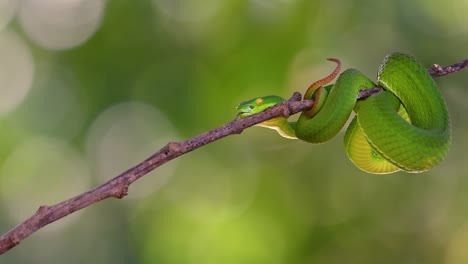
(150, 72)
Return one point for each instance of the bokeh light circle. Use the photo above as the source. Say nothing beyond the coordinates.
(16, 71)
(188, 10)
(54, 24)
(126, 134)
(254, 239)
(41, 171)
(53, 106)
(7, 11)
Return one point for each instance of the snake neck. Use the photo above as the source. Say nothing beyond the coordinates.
(282, 126)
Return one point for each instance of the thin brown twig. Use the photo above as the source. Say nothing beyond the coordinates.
(436, 70)
(118, 186)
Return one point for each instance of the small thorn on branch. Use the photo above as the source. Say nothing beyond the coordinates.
(42, 209)
(119, 191)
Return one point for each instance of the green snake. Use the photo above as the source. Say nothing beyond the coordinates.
(405, 127)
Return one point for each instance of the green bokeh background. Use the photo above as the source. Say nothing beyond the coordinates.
(159, 71)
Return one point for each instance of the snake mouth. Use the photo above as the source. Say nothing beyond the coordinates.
(243, 112)
(242, 115)
(239, 115)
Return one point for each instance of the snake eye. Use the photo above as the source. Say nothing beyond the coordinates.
(251, 106)
(259, 101)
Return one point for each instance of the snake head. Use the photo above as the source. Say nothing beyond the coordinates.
(257, 105)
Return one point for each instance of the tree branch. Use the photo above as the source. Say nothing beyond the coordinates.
(118, 186)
